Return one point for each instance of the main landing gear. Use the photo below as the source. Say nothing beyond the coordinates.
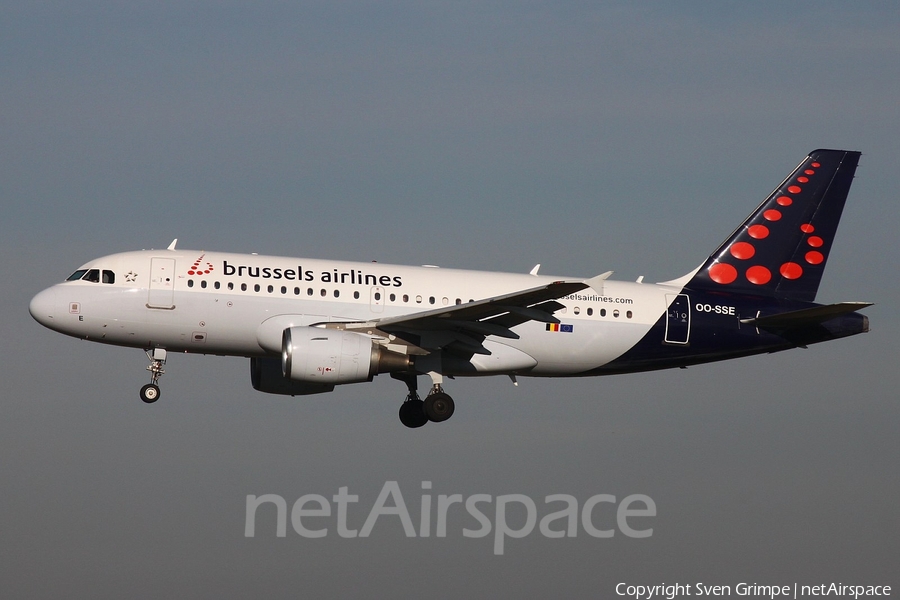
(437, 406)
(150, 393)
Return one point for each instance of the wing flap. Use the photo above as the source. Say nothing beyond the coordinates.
(462, 323)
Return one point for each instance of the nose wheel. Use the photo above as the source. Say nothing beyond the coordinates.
(150, 393)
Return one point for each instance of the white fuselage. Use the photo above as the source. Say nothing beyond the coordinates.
(238, 304)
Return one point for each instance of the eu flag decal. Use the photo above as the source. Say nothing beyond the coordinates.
(562, 327)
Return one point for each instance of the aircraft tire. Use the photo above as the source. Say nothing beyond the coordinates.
(412, 414)
(150, 393)
(439, 407)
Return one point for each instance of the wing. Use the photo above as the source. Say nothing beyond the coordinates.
(462, 328)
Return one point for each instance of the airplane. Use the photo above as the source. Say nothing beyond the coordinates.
(309, 325)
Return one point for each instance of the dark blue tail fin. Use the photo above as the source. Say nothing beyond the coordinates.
(781, 249)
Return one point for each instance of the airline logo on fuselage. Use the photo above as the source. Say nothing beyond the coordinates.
(352, 276)
(200, 266)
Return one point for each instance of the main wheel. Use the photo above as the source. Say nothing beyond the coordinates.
(439, 407)
(150, 393)
(412, 415)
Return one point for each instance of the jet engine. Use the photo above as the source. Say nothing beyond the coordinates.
(266, 376)
(330, 357)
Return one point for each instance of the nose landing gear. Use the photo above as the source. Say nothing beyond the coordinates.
(150, 393)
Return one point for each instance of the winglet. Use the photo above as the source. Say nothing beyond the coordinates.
(535, 270)
(597, 282)
(172, 245)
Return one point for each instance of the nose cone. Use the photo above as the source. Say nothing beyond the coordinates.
(44, 307)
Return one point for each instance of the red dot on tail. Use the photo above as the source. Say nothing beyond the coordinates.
(758, 232)
(809, 172)
(815, 241)
(791, 270)
(722, 273)
(772, 215)
(802, 179)
(816, 165)
(784, 200)
(794, 189)
(814, 258)
(759, 275)
(190, 272)
(807, 228)
(742, 250)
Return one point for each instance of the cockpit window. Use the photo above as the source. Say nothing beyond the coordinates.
(93, 275)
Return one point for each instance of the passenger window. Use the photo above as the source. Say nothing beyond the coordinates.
(190, 283)
(243, 287)
(590, 312)
(109, 276)
(217, 285)
(203, 284)
(77, 275)
(230, 285)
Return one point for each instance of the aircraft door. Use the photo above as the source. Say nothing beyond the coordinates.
(376, 299)
(162, 283)
(678, 319)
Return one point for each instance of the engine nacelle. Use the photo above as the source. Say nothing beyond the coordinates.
(330, 356)
(266, 376)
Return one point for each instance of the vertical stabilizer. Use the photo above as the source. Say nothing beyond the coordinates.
(781, 249)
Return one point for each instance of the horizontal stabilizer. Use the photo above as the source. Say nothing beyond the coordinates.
(805, 317)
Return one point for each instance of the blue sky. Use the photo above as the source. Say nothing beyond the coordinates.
(584, 136)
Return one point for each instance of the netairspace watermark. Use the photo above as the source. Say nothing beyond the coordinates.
(489, 512)
(754, 590)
